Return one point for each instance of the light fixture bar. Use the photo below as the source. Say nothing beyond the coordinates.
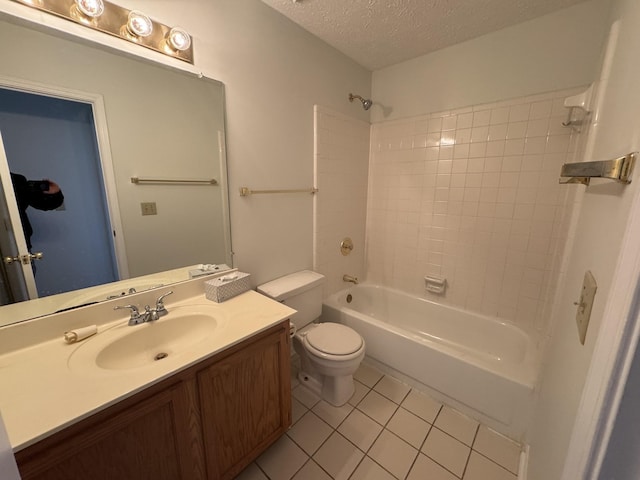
(114, 20)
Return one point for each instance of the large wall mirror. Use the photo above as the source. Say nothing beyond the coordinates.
(148, 121)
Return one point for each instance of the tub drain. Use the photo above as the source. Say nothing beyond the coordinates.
(160, 356)
(349, 298)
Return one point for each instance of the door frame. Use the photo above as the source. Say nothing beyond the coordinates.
(611, 361)
(25, 277)
(104, 152)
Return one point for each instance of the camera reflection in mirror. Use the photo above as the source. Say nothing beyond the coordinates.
(65, 148)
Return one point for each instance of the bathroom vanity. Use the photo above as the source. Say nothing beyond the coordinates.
(211, 409)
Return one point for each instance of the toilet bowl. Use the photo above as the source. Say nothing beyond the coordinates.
(330, 354)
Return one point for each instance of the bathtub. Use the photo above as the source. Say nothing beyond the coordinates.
(478, 361)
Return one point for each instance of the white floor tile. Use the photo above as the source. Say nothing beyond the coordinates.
(498, 448)
(282, 460)
(305, 396)
(457, 425)
(394, 454)
(334, 416)
(410, 428)
(297, 410)
(370, 470)
(377, 407)
(426, 469)
(360, 392)
(368, 375)
(447, 451)
(338, 457)
(252, 472)
(392, 389)
(481, 468)
(311, 471)
(422, 405)
(310, 432)
(360, 430)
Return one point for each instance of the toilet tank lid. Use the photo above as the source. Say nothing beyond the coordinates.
(290, 285)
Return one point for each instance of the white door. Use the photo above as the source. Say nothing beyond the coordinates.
(16, 258)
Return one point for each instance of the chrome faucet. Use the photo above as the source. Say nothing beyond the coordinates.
(149, 314)
(349, 278)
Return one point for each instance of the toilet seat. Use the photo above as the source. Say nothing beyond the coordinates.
(332, 340)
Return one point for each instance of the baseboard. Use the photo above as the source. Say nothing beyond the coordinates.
(524, 463)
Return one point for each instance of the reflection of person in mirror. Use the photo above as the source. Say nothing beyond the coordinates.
(39, 194)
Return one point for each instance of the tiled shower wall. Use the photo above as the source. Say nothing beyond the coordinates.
(340, 206)
(472, 196)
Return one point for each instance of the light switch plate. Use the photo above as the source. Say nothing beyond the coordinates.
(149, 208)
(585, 304)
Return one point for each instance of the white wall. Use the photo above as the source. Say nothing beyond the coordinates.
(600, 228)
(549, 53)
(342, 167)
(274, 72)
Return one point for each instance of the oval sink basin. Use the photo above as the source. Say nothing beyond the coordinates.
(128, 347)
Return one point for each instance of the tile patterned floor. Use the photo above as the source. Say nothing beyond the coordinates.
(386, 431)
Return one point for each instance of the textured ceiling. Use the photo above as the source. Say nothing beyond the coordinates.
(379, 33)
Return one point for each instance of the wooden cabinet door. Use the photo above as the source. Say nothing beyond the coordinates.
(245, 401)
(154, 434)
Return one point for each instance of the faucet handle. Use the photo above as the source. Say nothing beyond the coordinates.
(160, 308)
(135, 318)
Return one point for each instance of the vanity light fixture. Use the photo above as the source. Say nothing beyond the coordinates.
(178, 39)
(139, 25)
(90, 8)
(131, 25)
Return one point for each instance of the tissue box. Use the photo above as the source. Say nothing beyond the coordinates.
(226, 287)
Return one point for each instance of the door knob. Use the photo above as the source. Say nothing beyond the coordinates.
(10, 260)
(25, 259)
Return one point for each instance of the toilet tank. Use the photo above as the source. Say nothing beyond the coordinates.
(301, 291)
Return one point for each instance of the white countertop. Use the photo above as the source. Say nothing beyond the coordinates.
(40, 394)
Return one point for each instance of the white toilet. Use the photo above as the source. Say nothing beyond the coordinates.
(329, 353)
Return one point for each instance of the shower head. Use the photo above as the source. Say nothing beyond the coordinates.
(366, 103)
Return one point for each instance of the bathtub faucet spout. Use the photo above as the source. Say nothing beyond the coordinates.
(349, 278)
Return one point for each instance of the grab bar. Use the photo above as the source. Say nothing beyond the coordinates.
(246, 191)
(618, 169)
(175, 181)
